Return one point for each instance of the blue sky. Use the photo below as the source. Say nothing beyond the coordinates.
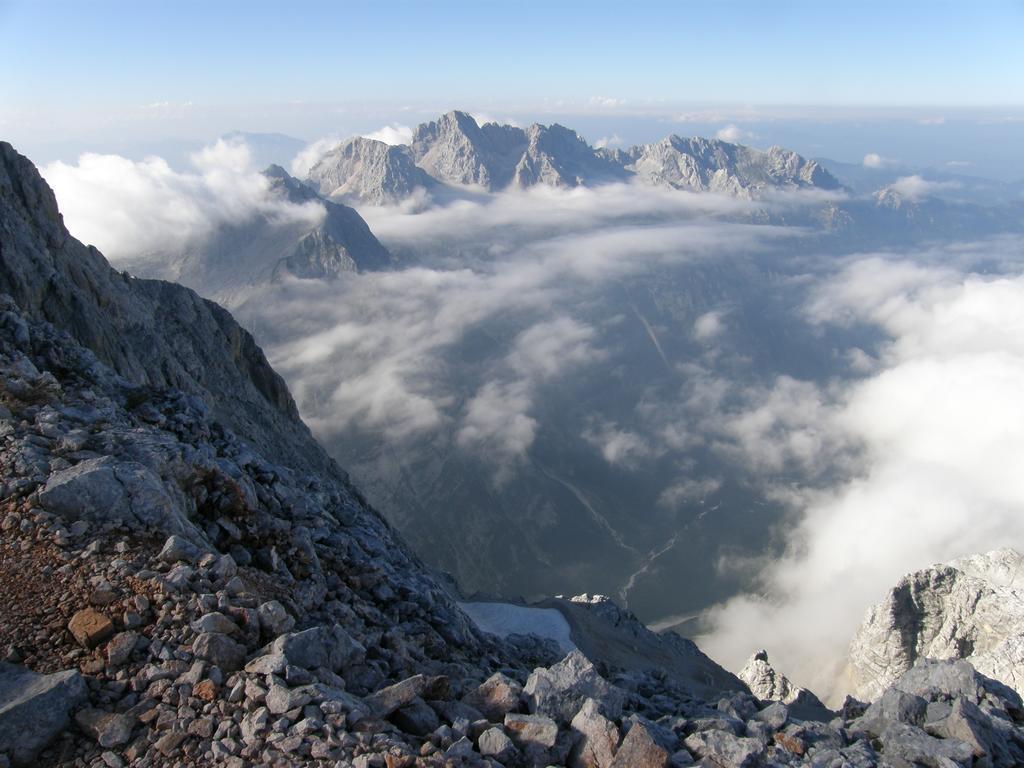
(99, 71)
(867, 53)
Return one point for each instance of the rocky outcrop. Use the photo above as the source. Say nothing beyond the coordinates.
(368, 171)
(770, 685)
(971, 608)
(154, 334)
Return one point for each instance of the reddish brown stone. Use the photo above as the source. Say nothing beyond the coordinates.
(205, 690)
(789, 743)
(90, 627)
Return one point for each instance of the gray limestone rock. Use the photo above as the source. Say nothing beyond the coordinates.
(559, 691)
(969, 609)
(330, 647)
(35, 708)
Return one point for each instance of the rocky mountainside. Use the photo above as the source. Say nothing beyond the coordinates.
(971, 608)
(186, 579)
(700, 165)
(368, 171)
(237, 257)
(454, 149)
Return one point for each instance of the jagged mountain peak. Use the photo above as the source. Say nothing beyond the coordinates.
(455, 149)
(368, 171)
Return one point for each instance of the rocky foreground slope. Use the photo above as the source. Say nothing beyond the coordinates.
(186, 579)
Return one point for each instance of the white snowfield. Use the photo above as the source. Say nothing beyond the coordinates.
(504, 619)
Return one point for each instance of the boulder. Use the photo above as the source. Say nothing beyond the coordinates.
(274, 619)
(495, 697)
(723, 748)
(768, 684)
(120, 648)
(971, 608)
(911, 744)
(417, 718)
(531, 730)
(176, 550)
(108, 490)
(109, 729)
(560, 690)
(219, 649)
(90, 627)
(330, 647)
(597, 738)
(387, 700)
(640, 749)
(215, 622)
(35, 708)
(495, 743)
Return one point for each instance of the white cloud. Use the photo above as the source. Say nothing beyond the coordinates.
(874, 160)
(935, 120)
(688, 491)
(483, 118)
(608, 141)
(129, 208)
(606, 102)
(311, 154)
(619, 447)
(395, 133)
(708, 326)
(934, 440)
(734, 134)
(917, 188)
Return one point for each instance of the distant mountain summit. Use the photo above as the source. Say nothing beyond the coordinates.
(368, 171)
(456, 150)
(711, 165)
(238, 256)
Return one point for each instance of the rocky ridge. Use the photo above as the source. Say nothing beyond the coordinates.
(186, 600)
(455, 150)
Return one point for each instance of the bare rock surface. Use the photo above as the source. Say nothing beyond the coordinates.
(971, 608)
(35, 708)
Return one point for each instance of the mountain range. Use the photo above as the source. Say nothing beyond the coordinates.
(455, 150)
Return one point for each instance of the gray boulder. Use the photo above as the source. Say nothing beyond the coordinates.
(559, 691)
(220, 650)
(108, 490)
(330, 647)
(35, 708)
(597, 738)
(495, 743)
(641, 749)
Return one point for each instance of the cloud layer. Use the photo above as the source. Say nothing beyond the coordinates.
(939, 432)
(130, 208)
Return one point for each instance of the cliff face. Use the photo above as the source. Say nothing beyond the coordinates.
(971, 608)
(151, 332)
